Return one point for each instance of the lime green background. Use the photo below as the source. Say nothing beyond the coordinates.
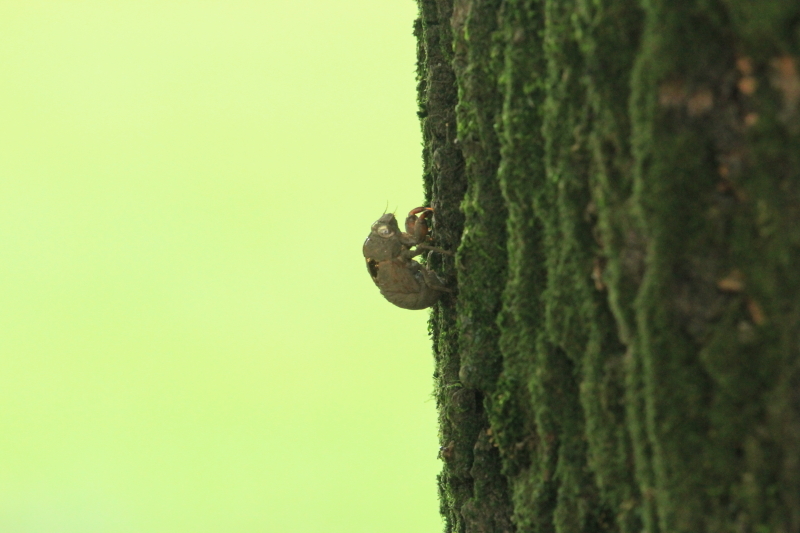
(189, 340)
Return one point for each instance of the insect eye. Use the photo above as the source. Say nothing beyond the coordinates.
(384, 231)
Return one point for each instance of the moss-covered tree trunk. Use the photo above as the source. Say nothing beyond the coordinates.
(621, 180)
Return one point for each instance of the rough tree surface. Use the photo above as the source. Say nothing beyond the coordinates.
(621, 181)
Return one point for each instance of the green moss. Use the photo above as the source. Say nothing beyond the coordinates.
(526, 437)
(482, 253)
(481, 258)
(602, 174)
(704, 395)
(460, 415)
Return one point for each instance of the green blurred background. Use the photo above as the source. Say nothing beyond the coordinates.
(189, 340)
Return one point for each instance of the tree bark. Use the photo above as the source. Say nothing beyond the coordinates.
(621, 181)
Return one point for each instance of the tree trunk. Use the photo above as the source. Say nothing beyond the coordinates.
(621, 180)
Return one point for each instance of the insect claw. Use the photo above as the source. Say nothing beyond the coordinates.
(420, 210)
(418, 226)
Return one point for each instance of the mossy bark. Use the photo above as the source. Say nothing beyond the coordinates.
(621, 181)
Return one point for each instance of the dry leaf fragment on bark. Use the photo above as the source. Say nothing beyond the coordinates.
(747, 85)
(756, 312)
(700, 102)
(745, 65)
(733, 282)
(785, 78)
